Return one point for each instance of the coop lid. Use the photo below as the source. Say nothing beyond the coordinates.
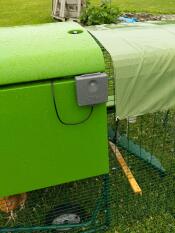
(40, 52)
(143, 58)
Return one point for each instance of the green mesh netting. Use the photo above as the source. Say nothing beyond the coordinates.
(147, 144)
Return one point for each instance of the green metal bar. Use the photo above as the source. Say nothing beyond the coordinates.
(44, 228)
(140, 153)
(111, 104)
(97, 209)
(107, 199)
(97, 229)
(111, 101)
(135, 149)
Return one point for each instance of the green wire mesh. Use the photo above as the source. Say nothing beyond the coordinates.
(148, 148)
(147, 144)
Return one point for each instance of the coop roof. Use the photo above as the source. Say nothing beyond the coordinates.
(143, 57)
(54, 50)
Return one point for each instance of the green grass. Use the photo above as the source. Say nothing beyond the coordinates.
(18, 12)
(151, 6)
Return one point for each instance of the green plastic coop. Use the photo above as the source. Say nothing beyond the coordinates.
(47, 138)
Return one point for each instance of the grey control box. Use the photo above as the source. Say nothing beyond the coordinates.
(92, 89)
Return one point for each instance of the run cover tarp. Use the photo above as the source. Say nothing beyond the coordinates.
(144, 66)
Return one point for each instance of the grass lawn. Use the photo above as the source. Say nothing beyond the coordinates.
(17, 12)
(152, 6)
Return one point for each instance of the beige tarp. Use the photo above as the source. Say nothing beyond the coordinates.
(143, 57)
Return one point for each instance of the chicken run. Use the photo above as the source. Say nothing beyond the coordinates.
(84, 156)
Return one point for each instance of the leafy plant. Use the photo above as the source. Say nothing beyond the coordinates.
(102, 14)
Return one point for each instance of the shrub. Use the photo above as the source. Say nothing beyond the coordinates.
(103, 14)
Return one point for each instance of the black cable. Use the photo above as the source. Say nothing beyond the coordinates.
(58, 115)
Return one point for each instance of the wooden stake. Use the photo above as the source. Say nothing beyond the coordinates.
(132, 181)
